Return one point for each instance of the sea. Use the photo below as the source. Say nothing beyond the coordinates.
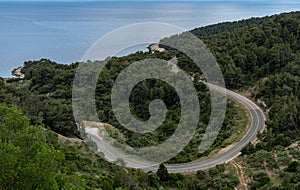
(64, 30)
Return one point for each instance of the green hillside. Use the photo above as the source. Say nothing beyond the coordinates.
(259, 58)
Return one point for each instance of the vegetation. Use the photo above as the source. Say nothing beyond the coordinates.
(31, 158)
(264, 56)
(259, 56)
(47, 101)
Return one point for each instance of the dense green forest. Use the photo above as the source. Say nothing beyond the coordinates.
(259, 57)
(34, 158)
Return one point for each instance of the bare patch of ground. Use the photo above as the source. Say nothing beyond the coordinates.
(155, 47)
(241, 175)
(75, 140)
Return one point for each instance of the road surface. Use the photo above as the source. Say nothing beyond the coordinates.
(256, 126)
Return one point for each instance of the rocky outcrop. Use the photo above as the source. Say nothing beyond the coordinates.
(17, 73)
(155, 47)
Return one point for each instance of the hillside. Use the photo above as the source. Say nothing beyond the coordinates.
(259, 58)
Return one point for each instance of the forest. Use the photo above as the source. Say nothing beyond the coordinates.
(258, 57)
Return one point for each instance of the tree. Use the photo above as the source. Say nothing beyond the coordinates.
(2, 84)
(292, 167)
(153, 181)
(262, 178)
(213, 172)
(201, 175)
(220, 168)
(162, 173)
(224, 181)
(28, 160)
(248, 149)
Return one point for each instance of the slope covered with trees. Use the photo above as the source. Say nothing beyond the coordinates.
(259, 57)
(262, 60)
(264, 57)
(34, 158)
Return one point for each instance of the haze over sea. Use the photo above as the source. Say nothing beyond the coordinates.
(63, 31)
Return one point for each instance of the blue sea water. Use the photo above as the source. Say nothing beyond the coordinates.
(63, 31)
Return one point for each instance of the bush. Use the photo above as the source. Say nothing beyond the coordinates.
(201, 175)
(292, 167)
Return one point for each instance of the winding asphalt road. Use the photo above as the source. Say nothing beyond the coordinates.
(256, 126)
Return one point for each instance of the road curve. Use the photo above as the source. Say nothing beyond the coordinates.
(256, 126)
